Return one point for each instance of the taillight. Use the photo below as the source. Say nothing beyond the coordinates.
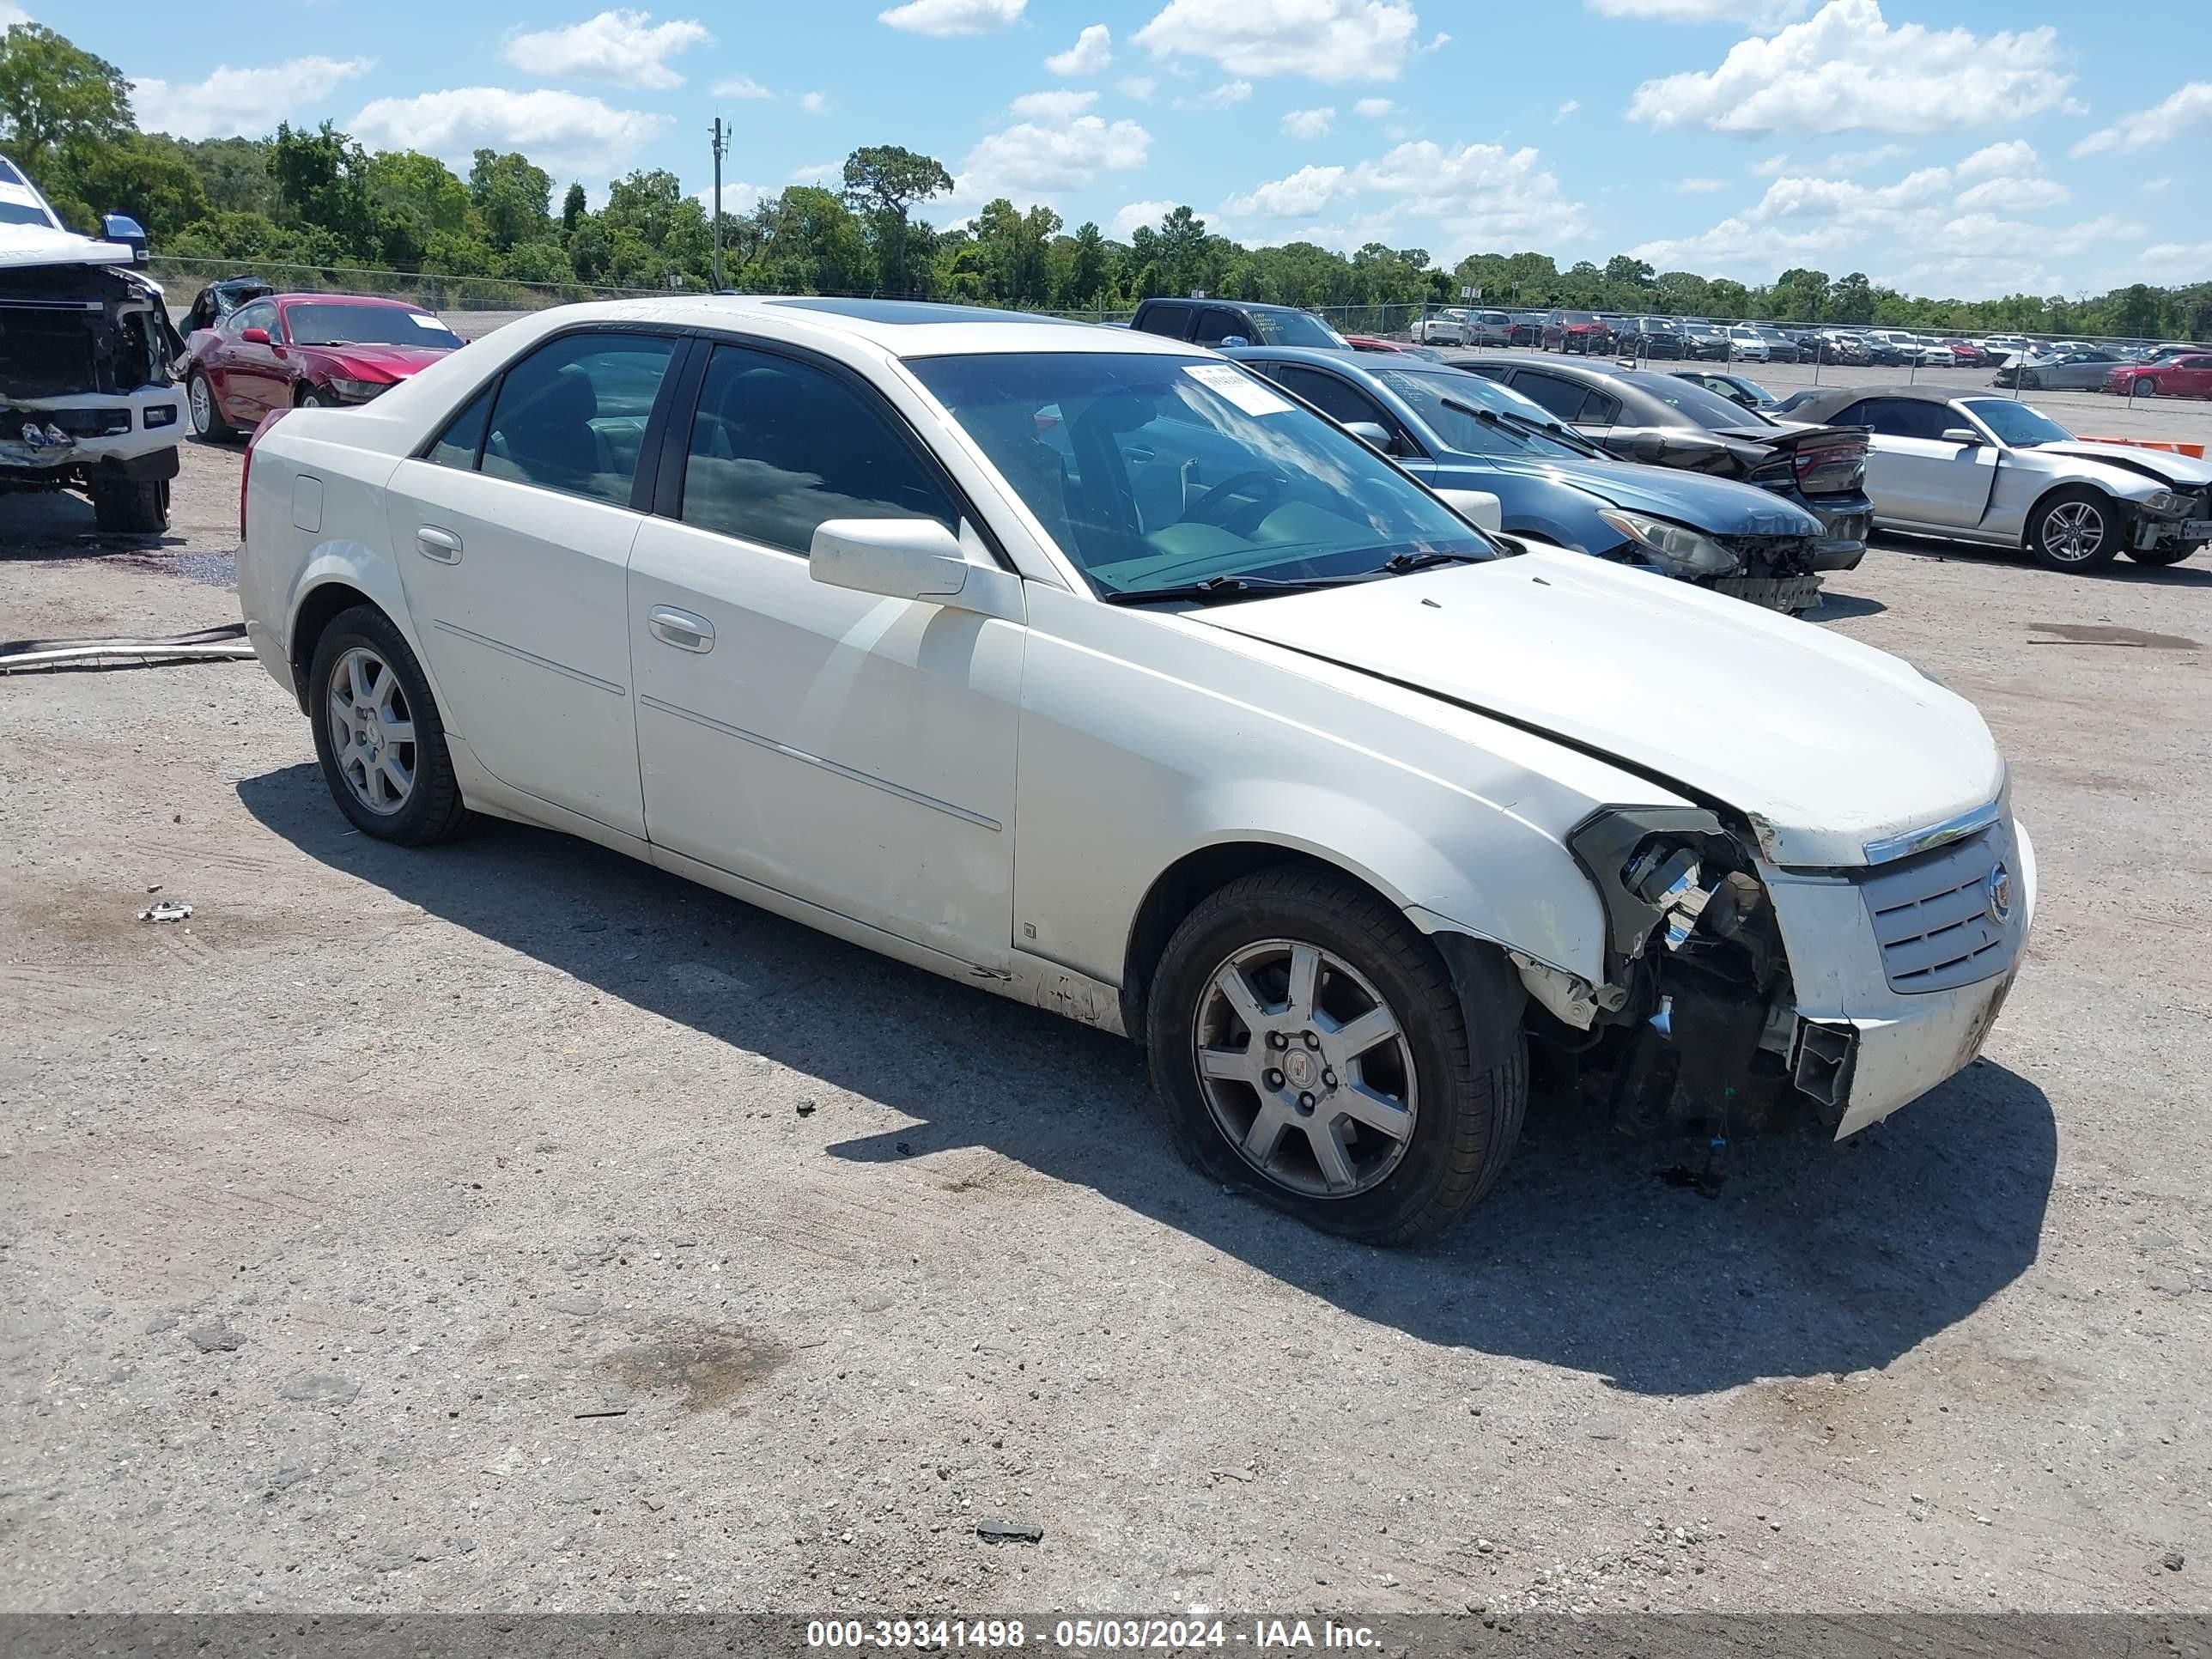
(245, 471)
(1829, 467)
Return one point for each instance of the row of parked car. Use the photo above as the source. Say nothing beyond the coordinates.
(2039, 363)
(1700, 472)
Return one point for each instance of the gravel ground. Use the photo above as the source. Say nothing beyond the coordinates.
(514, 1226)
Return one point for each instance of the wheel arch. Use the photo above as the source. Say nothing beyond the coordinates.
(2122, 508)
(337, 576)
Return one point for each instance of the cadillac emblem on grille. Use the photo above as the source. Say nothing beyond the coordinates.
(1999, 888)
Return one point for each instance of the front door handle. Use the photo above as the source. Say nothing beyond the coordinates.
(680, 629)
(442, 545)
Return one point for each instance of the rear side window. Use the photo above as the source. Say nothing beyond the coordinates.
(1562, 398)
(462, 441)
(1905, 417)
(777, 446)
(1215, 325)
(571, 417)
(1340, 403)
(1598, 410)
(1172, 320)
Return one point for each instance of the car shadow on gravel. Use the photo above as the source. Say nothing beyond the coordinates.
(2194, 572)
(1813, 1259)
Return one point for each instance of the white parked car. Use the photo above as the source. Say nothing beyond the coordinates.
(1083, 667)
(1451, 326)
(1749, 345)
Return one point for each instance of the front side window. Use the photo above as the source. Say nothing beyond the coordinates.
(1341, 403)
(1562, 398)
(571, 417)
(1216, 326)
(1905, 417)
(1153, 472)
(779, 445)
(263, 315)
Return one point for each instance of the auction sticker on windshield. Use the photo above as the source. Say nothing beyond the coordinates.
(1240, 388)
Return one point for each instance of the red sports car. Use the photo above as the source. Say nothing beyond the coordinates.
(2188, 376)
(317, 350)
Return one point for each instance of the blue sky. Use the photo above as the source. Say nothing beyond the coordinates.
(1953, 147)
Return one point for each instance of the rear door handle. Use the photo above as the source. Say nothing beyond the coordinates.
(442, 545)
(680, 629)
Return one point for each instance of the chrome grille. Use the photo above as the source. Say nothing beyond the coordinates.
(1931, 915)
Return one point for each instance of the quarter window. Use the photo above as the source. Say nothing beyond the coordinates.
(1562, 398)
(777, 446)
(571, 417)
(462, 441)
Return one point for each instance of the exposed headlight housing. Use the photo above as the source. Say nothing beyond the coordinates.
(1676, 548)
(1645, 863)
(357, 392)
(2166, 504)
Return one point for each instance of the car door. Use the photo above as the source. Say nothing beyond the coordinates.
(1914, 474)
(513, 531)
(849, 749)
(2192, 375)
(250, 381)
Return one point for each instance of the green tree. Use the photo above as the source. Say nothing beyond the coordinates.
(1088, 267)
(322, 182)
(54, 93)
(513, 196)
(136, 175)
(573, 208)
(884, 182)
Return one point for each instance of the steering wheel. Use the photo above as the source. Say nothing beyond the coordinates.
(1202, 510)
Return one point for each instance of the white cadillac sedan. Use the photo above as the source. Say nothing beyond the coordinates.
(1084, 667)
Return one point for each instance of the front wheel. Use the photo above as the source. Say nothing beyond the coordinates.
(2076, 529)
(310, 399)
(377, 733)
(2147, 386)
(123, 508)
(1309, 1046)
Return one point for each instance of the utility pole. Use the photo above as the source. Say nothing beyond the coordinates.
(722, 148)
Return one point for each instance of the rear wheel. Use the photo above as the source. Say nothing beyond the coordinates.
(2076, 529)
(130, 509)
(1309, 1046)
(377, 733)
(207, 414)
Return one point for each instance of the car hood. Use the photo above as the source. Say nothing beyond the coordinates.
(1823, 744)
(2181, 470)
(378, 362)
(1707, 503)
(24, 246)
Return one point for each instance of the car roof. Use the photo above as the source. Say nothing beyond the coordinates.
(887, 328)
(1829, 399)
(311, 298)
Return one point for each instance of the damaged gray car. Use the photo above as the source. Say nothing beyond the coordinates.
(86, 400)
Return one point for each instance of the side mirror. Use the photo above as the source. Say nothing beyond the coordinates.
(1961, 434)
(1228, 340)
(256, 337)
(1374, 436)
(1478, 507)
(898, 558)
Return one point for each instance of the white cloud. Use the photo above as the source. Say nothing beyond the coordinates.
(1301, 196)
(2185, 260)
(1845, 68)
(2156, 186)
(11, 15)
(814, 103)
(741, 86)
(1136, 215)
(1700, 187)
(230, 100)
(563, 132)
(829, 175)
(1093, 51)
(1565, 110)
(952, 16)
(2015, 195)
(1309, 123)
(1220, 97)
(1056, 106)
(2009, 159)
(1373, 109)
(1752, 13)
(737, 197)
(2191, 107)
(1772, 165)
(1139, 87)
(1861, 160)
(1032, 162)
(626, 47)
(1325, 39)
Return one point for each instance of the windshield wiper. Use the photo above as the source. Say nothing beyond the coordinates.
(1552, 432)
(1229, 587)
(1399, 564)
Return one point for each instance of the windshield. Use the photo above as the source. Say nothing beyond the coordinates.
(2016, 424)
(1297, 328)
(1431, 394)
(1707, 409)
(1153, 471)
(22, 213)
(344, 324)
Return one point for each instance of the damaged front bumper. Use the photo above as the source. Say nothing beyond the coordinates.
(86, 395)
(129, 435)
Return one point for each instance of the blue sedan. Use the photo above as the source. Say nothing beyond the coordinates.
(1455, 430)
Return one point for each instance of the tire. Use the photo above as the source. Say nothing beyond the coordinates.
(130, 509)
(429, 807)
(2162, 555)
(1467, 1089)
(312, 398)
(2074, 529)
(205, 413)
(2147, 386)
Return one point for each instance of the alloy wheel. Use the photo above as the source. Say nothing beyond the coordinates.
(202, 398)
(1305, 1069)
(2074, 532)
(372, 731)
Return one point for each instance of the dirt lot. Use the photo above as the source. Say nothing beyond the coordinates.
(514, 1226)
